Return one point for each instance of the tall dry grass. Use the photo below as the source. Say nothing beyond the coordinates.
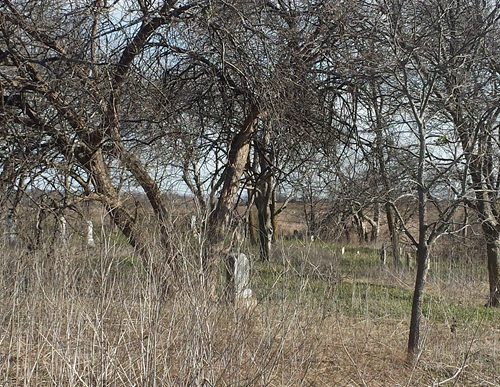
(70, 316)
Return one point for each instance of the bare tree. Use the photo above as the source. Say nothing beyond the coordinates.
(468, 92)
(409, 30)
(81, 117)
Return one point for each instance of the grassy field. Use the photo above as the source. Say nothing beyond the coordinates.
(78, 317)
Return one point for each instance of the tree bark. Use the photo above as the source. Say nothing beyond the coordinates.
(218, 248)
(360, 226)
(418, 296)
(251, 192)
(265, 227)
(492, 237)
(394, 235)
(310, 209)
(274, 215)
(220, 216)
(486, 207)
(153, 193)
(465, 222)
(263, 199)
(422, 257)
(423, 243)
(251, 227)
(475, 119)
(120, 215)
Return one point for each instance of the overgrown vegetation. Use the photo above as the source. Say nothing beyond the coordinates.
(77, 316)
(350, 148)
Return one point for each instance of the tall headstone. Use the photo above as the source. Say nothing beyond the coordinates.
(193, 223)
(11, 228)
(241, 274)
(64, 235)
(90, 234)
(238, 271)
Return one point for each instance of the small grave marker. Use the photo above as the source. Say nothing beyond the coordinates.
(90, 234)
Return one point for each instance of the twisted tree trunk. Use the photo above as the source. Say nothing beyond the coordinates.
(217, 249)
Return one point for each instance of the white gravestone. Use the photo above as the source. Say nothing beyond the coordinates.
(244, 296)
(90, 234)
(64, 235)
(11, 229)
(241, 274)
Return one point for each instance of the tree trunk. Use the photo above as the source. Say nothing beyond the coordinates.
(218, 247)
(383, 255)
(265, 227)
(376, 224)
(153, 193)
(492, 237)
(394, 235)
(251, 192)
(40, 217)
(264, 196)
(422, 250)
(465, 222)
(360, 227)
(120, 215)
(486, 206)
(418, 296)
(347, 228)
(252, 227)
(310, 211)
(274, 215)
(220, 216)
(382, 164)
(422, 267)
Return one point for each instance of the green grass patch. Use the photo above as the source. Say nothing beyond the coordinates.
(355, 297)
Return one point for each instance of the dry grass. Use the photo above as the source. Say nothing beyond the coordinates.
(95, 318)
